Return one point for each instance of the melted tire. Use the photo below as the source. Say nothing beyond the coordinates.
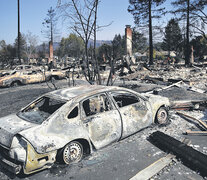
(162, 117)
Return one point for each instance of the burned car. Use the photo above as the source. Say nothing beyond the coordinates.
(57, 73)
(22, 78)
(26, 68)
(69, 123)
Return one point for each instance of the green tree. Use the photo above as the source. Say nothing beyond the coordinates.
(139, 42)
(104, 53)
(172, 37)
(22, 45)
(144, 11)
(72, 46)
(7, 53)
(42, 50)
(118, 46)
(199, 44)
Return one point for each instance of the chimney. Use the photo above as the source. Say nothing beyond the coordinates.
(128, 37)
(51, 51)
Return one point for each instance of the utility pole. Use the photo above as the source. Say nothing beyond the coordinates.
(18, 51)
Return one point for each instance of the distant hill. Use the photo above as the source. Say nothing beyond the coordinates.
(99, 42)
(56, 45)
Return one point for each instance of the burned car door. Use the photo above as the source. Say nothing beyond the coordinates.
(135, 111)
(102, 120)
(33, 77)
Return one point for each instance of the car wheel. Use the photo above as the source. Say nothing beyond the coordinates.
(53, 79)
(162, 116)
(14, 84)
(72, 152)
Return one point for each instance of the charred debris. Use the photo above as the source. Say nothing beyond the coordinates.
(186, 88)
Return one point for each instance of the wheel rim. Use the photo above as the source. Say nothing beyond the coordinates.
(53, 79)
(72, 153)
(162, 116)
(14, 84)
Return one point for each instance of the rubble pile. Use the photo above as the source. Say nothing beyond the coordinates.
(186, 89)
(195, 76)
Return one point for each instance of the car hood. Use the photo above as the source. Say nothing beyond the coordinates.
(11, 125)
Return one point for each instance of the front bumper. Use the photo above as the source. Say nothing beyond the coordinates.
(9, 165)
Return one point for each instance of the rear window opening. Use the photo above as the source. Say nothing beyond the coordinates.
(40, 110)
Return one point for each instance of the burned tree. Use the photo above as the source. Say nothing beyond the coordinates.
(144, 11)
(190, 11)
(199, 18)
(82, 16)
(50, 23)
(95, 29)
(31, 44)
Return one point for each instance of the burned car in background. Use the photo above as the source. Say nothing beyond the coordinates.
(66, 124)
(22, 77)
(56, 74)
(26, 68)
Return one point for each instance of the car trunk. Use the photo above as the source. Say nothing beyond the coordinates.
(11, 125)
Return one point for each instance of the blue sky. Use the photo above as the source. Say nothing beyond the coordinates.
(33, 12)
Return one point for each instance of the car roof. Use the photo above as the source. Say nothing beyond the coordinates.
(72, 92)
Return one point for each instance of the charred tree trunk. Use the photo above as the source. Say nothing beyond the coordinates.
(95, 58)
(187, 47)
(111, 72)
(87, 61)
(150, 35)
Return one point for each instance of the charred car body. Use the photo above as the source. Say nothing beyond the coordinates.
(22, 77)
(66, 124)
(57, 73)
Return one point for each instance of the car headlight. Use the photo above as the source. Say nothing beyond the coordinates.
(18, 150)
